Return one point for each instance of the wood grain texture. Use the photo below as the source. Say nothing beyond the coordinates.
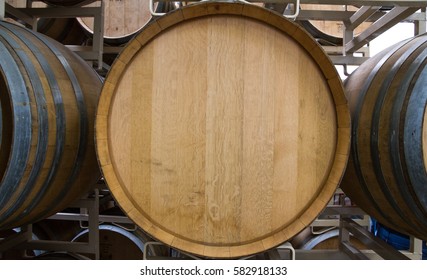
(61, 164)
(388, 144)
(333, 29)
(122, 19)
(220, 136)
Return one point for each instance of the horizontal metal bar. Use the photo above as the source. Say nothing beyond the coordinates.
(331, 15)
(47, 245)
(321, 254)
(85, 218)
(18, 13)
(343, 210)
(347, 60)
(345, 15)
(87, 49)
(378, 245)
(335, 222)
(61, 12)
(406, 3)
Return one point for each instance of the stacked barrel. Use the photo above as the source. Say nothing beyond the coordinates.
(48, 102)
(222, 129)
(386, 175)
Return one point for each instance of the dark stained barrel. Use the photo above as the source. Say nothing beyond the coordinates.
(48, 101)
(116, 243)
(68, 3)
(386, 174)
(67, 31)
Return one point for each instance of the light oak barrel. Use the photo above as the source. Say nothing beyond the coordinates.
(241, 156)
(386, 175)
(48, 105)
(330, 32)
(122, 20)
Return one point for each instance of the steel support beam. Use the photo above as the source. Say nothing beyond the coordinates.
(393, 17)
(403, 3)
(421, 24)
(378, 245)
(2, 9)
(360, 16)
(352, 252)
(18, 13)
(30, 16)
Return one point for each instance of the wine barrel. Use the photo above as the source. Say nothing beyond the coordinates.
(116, 243)
(67, 31)
(329, 32)
(222, 129)
(328, 240)
(386, 174)
(48, 102)
(67, 3)
(122, 20)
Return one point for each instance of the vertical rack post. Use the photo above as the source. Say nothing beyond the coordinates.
(98, 35)
(421, 25)
(93, 211)
(2, 9)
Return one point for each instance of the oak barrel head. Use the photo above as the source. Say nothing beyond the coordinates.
(222, 129)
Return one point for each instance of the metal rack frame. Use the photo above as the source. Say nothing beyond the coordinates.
(30, 16)
(403, 10)
(23, 240)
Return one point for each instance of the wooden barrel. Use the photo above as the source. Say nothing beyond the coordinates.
(67, 31)
(122, 20)
(241, 156)
(116, 243)
(48, 101)
(386, 175)
(328, 240)
(68, 3)
(326, 31)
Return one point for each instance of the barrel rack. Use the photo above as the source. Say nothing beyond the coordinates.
(350, 220)
(370, 11)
